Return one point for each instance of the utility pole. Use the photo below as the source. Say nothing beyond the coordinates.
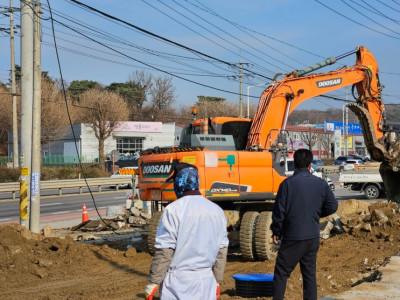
(13, 91)
(36, 123)
(240, 90)
(26, 105)
(346, 127)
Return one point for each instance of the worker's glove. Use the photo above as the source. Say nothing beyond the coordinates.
(218, 291)
(150, 290)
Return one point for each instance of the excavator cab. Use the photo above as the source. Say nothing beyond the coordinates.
(221, 133)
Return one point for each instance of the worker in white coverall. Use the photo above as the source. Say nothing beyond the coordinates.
(191, 243)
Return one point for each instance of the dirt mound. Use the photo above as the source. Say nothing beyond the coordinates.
(380, 221)
(61, 268)
(37, 267)
(352, 206)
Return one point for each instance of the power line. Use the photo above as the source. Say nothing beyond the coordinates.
(375, 11)
(210, 40)
(112, 37)
(368, 17)
(243, 28)
(146, 64)
(340, 14)
(163, 38)
(385, 4)
(142, 49)
(232, 36)
(116, 39)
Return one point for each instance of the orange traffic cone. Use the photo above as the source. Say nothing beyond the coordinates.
(85, 216)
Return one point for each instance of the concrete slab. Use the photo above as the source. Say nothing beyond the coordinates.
(386, 288)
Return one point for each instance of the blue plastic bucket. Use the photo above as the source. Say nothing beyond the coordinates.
(254, 285)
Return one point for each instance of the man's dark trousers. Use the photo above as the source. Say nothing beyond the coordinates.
(290, 253)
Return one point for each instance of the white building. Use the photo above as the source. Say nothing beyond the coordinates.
(127, 138)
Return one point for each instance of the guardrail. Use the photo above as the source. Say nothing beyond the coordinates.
(13, 187)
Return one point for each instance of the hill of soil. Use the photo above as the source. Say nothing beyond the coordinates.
(60, 267)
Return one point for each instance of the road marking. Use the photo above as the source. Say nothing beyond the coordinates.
(61, 212)
(118, 197)
(7, 219)
(50, 204)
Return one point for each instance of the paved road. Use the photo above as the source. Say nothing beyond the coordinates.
(57, 210)
(66, 210)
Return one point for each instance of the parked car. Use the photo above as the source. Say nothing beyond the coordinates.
(351, 163)
(356, 156)
(340, 160)
(318, 162)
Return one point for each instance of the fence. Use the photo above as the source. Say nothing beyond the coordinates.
(14, 187)
(56, 160)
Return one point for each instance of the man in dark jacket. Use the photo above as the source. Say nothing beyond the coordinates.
(301, 201)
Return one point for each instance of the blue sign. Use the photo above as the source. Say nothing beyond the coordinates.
(352, 128)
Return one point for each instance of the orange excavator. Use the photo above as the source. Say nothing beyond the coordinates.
(242, 162)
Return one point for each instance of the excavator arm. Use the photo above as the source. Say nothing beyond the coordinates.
(283, 96)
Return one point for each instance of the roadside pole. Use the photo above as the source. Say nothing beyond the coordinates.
(13, 91)
(26, 105)
(36, 122)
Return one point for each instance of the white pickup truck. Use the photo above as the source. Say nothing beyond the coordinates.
(368, 181)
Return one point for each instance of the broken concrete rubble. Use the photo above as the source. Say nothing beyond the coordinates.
(375, 221)
(134, 215)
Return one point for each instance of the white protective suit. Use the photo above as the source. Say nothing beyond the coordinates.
(196, 228)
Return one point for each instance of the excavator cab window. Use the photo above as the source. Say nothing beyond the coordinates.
(239, 131)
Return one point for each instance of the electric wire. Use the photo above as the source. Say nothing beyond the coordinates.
(227, 41)
(149, 65)
(130, 28)
(166, 39)
(240, 27)
(385, 4)
(374, 10)
(160, 54)
(227, 76)
(111, 37)
(365, 26)
(232, 36)
(70, 121)
(369, 18)
(203, 72)
(113, 61)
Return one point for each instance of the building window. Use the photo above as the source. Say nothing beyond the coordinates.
(296, 136)
(129, 145)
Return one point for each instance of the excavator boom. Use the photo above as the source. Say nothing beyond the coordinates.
(283, 96)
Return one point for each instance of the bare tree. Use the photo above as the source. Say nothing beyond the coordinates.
(54, 115)
(103, 112)
(5, 118)
(309, 138)
(214, 109)
(326, 141)
(162, 93)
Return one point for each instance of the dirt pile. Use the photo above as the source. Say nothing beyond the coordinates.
(37, 267)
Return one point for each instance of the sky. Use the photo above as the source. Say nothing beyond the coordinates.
(201, 44)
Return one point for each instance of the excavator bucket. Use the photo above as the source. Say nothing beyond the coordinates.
(386, 150)
(391, 180)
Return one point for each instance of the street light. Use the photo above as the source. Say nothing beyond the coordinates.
(248, 97)
(345, 129)
(345, 125)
